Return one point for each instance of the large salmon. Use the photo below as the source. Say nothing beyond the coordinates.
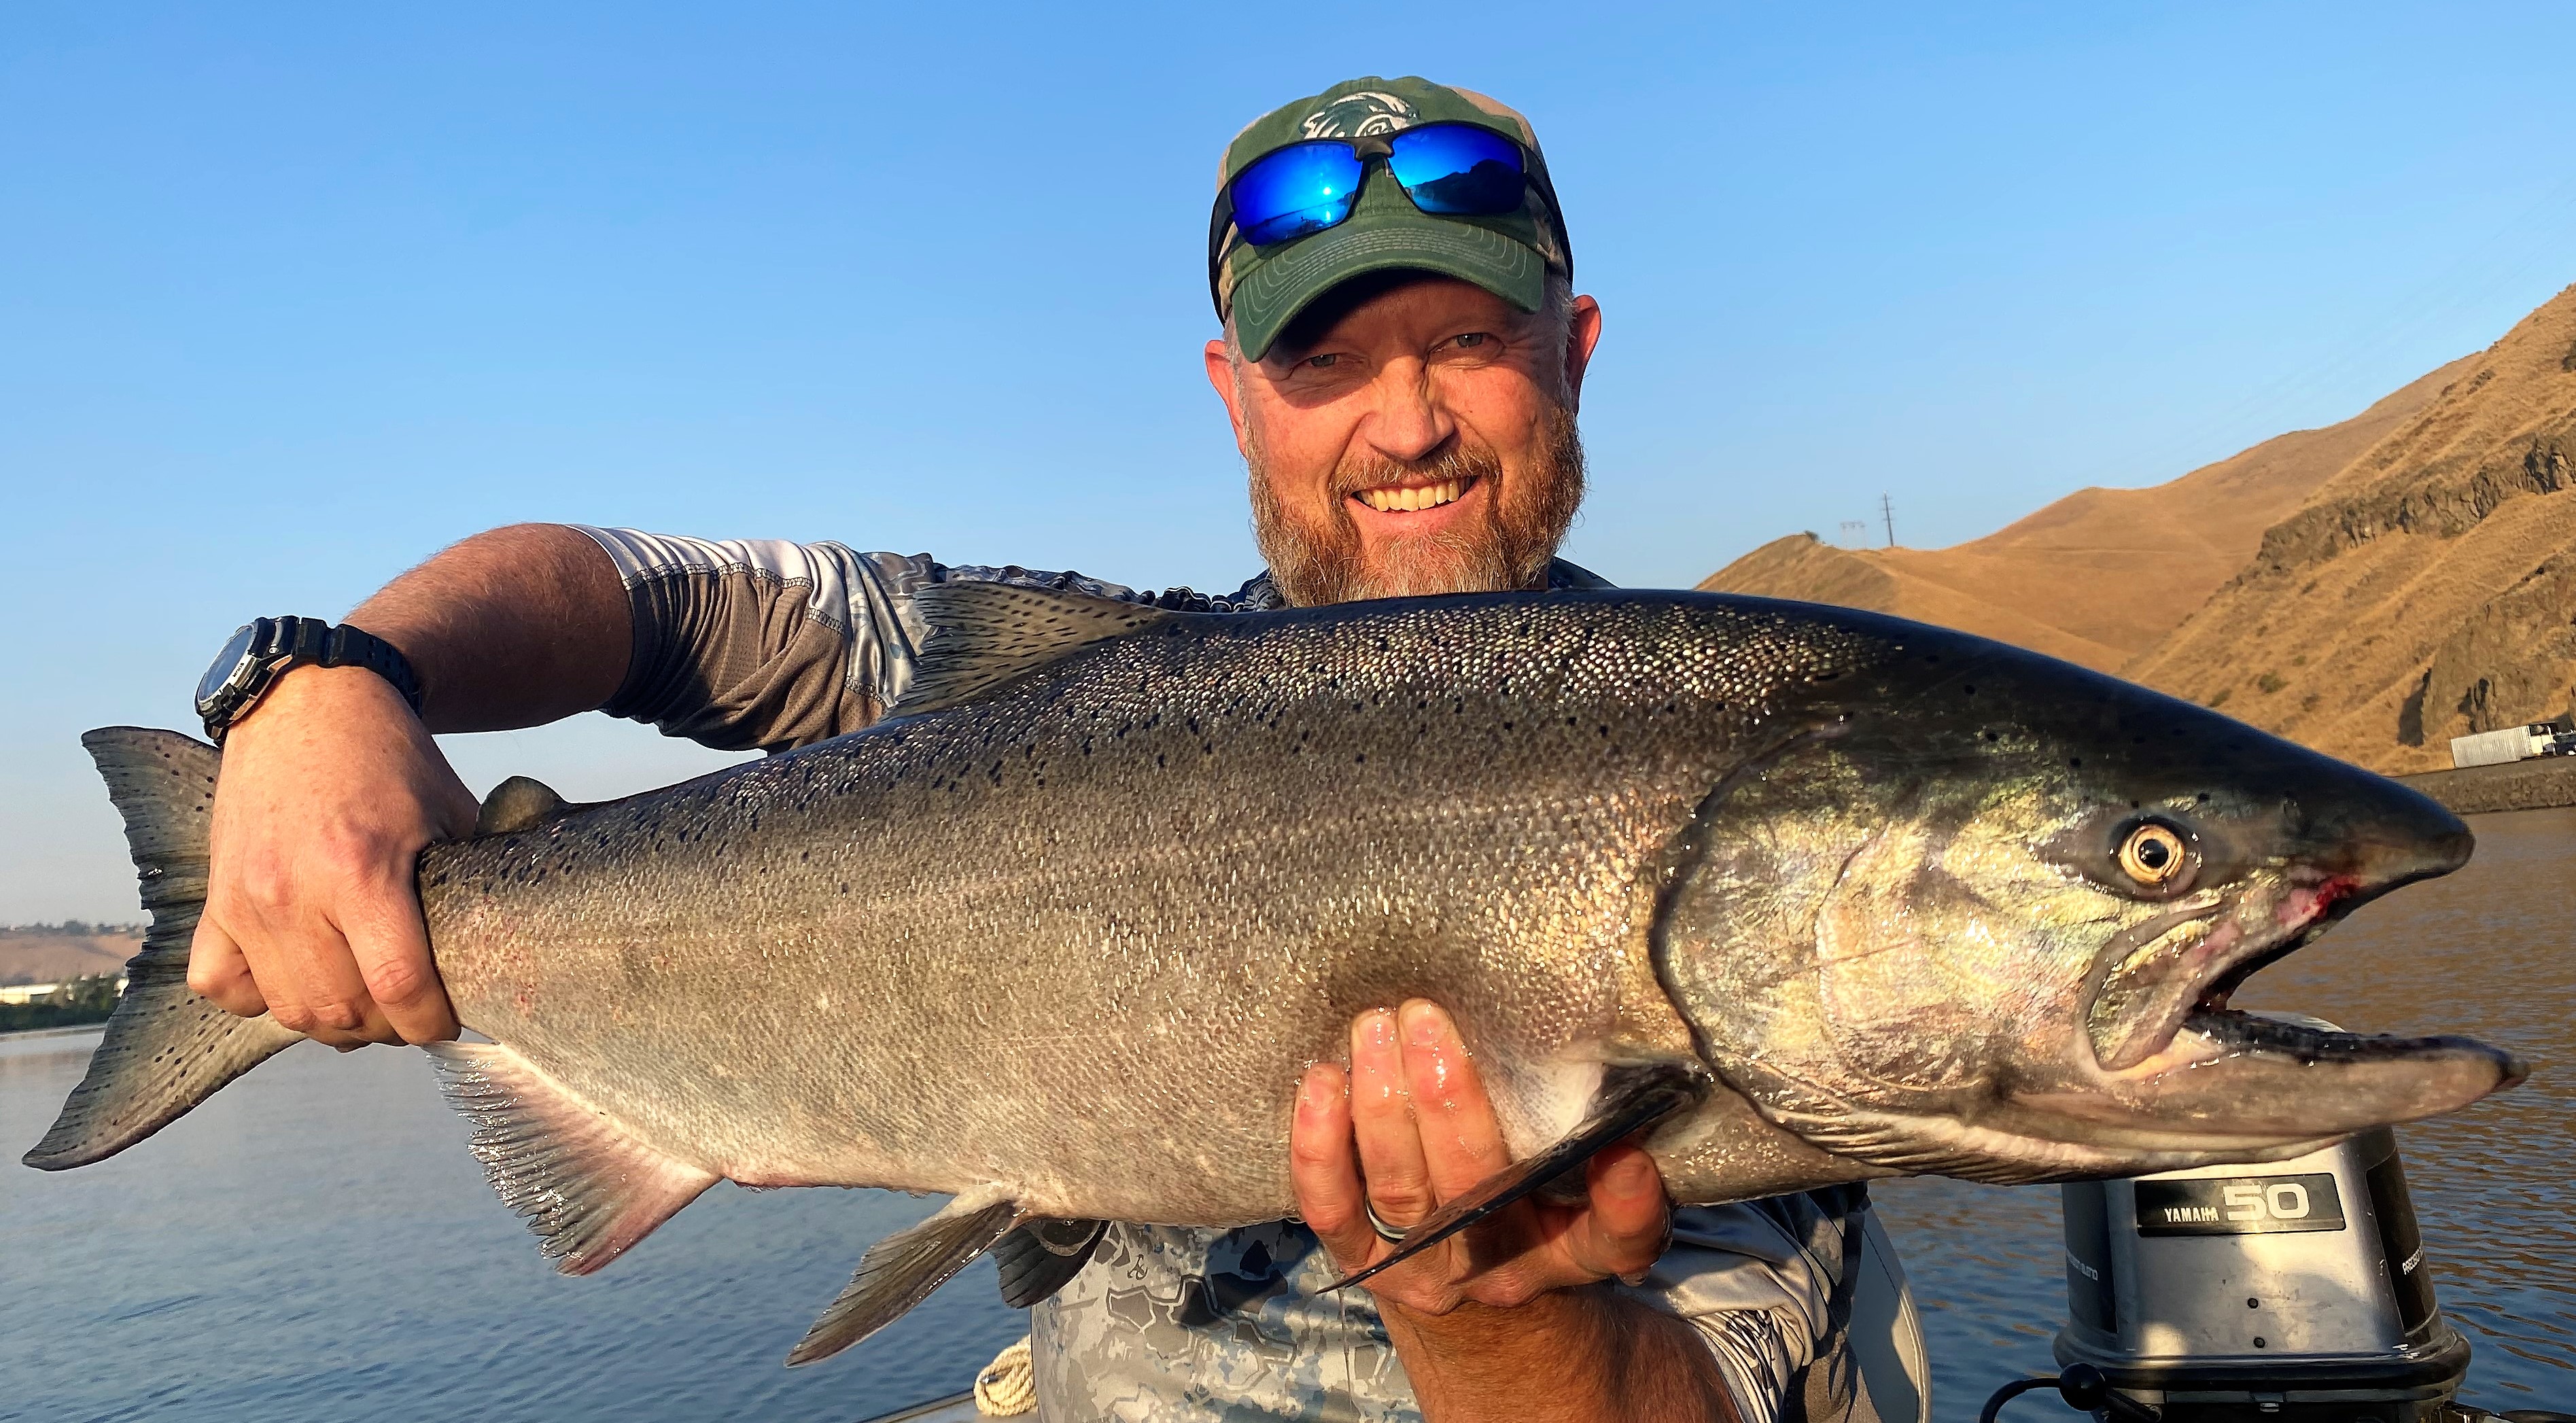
(1821, 895)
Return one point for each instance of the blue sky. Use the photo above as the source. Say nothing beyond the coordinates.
(291, 296)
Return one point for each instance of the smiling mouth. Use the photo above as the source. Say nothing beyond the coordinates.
(1408, 499)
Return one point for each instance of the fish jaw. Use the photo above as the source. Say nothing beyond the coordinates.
(2177, 1075)
(2229, 1076)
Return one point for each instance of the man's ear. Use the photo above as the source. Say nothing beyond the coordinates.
(1582, 333)
(1220, 374)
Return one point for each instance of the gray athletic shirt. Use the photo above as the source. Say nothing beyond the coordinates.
(770, 644)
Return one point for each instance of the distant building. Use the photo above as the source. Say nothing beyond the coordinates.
(38, 992)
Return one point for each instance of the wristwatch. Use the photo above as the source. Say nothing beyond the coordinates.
(263, 650)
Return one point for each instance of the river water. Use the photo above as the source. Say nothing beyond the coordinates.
(315, 1242)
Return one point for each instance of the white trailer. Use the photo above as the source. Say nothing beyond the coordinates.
(2514, 743)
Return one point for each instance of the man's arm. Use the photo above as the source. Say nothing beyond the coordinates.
(331, 786)
(1512, 1318)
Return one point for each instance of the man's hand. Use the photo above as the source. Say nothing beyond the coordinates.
(330, 786)
(329, 789)
(1510, 1317)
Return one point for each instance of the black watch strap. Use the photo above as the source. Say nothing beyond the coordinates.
(344, 646)
(263, 650)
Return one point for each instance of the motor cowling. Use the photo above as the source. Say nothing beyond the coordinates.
(2293, 1291)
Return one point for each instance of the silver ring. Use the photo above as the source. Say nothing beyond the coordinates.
(1391, 1234)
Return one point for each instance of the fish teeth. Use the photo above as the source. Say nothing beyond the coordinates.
(1397, 499)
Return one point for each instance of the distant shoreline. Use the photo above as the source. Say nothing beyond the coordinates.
(2542, 783)
(98, 1026)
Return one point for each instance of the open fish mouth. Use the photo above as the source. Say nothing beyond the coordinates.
(2196, 956)
(2183, 1061)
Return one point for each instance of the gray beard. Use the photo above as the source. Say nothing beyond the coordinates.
(1510, 550)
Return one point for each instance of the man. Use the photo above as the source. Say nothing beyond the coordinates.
(1402, 361)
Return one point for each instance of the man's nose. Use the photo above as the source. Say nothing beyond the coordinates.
(1407, 423)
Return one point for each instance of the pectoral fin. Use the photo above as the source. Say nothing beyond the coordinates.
(901, 1270)
(1038, 1259)
(1631, 1097)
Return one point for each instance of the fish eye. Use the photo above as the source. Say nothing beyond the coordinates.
(2155, 855)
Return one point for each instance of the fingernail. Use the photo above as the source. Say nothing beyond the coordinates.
(1631, 1176)
(1318, 1091)
(1379, 1028)
(1423, 1025)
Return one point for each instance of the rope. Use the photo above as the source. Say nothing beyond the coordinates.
(1008, 1385)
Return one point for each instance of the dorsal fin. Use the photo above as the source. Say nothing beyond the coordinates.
(517, 804)
(982, 635)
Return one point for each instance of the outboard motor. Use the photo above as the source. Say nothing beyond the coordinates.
(2288, 1292)
(2291, 1292)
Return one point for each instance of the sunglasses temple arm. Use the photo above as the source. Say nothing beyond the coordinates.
(1220, 222)
(1536, 168)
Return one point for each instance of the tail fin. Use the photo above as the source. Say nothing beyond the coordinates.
(166, 1049)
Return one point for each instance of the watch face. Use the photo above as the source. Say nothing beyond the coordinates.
(227, 663)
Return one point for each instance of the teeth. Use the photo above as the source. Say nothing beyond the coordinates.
(1407, 501)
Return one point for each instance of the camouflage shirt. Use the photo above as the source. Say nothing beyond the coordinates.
(770, 644)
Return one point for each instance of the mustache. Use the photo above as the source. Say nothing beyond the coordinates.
(1457, 461)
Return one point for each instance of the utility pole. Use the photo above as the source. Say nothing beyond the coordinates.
(1887, 512)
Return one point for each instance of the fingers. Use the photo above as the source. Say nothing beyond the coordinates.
(1460, 1140)
(1382, 1121)
(312, 983)
(1324, 1167)
(1411, 1125)
(218, 972)
(395, 973)
(1627, 1222)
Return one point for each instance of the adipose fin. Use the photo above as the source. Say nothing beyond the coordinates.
(519, 803)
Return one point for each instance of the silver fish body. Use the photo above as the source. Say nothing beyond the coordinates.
(1061, 938)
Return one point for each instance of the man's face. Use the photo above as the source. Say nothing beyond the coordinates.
(1411, 437)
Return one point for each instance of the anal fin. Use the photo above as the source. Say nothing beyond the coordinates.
(588, 1187)
(1042, 1255)
(1632, 1096)
(901, 1270)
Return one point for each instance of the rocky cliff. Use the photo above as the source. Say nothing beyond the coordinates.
(2423, 592)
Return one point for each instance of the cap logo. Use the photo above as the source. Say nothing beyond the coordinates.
(1360, 115)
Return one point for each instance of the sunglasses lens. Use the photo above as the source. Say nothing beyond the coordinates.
(1457, 168)
(1303, 188)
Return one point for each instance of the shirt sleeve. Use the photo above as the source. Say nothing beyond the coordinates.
(767, 644)
(1756, 1280)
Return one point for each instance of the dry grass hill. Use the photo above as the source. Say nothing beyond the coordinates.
(2102, 574)
(2372, 588)
(49, 953)
(2426, 591)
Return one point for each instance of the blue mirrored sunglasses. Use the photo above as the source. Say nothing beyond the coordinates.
(1304, 188)
(1449, 169)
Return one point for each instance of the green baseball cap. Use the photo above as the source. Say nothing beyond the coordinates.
(1508, 254)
